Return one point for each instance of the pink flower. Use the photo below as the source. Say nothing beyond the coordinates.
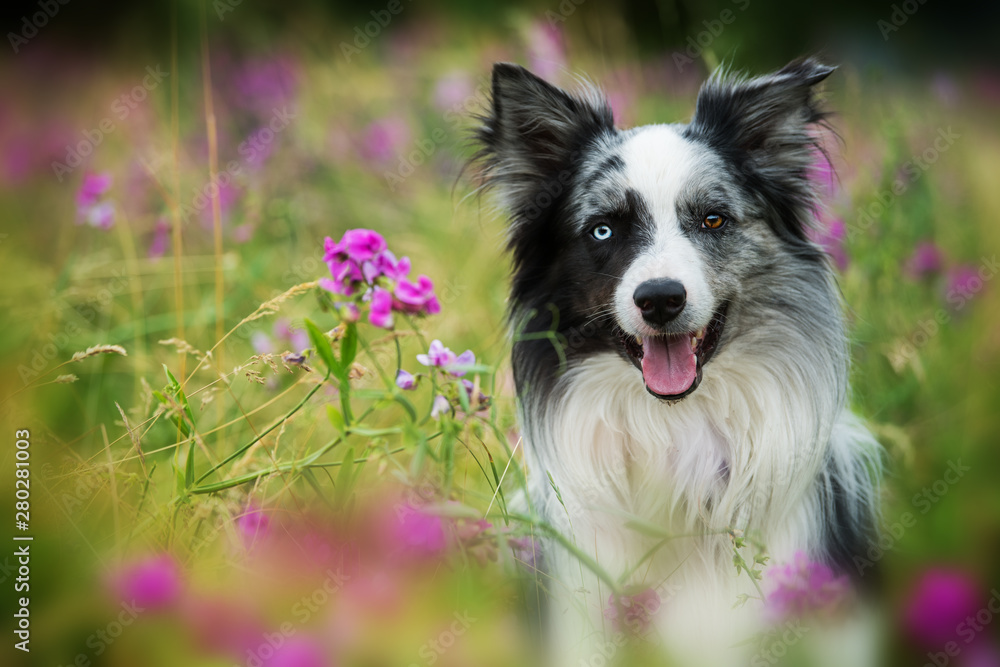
(804, 586)
(633, 613)
(362, 245)
(405, 380)
(925, 260)
(253, 524)
(417, 297)
(381, 309)
(387, 265)
(153, 583)
(420, 532)
(939, 603)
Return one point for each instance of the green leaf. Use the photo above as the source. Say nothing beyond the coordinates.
(349, 346)
(336, 418)
(323, 349)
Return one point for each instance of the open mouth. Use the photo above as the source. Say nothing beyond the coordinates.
(671, 364)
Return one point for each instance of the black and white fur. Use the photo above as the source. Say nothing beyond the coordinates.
(762, 441)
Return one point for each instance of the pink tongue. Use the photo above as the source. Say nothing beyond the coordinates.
(669, 366)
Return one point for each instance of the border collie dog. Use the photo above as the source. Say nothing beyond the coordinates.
(679, 346)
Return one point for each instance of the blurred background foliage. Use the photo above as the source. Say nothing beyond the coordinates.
(374, 134)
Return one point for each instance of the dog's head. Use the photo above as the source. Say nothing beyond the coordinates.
(662, 242)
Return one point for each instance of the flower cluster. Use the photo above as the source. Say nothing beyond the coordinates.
(803, 587)
(91, 206)
(365, 270)
(454, 366)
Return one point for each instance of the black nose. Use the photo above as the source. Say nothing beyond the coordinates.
(660, 300)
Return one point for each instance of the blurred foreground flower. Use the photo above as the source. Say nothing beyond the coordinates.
(941, 601)
(417, 531)
(805, 587)
(153, 583)
(633, 614)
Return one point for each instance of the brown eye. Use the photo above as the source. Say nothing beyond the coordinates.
(713, 221)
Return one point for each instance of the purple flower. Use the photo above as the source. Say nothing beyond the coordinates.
(405, 380)
(421, 532)
(633, 613)
(438, 356)
(153, 583)
(381, 309)
(253, 524)
(440, 406)
(925, 260)
(804, 586)
(93, 188)
(939, 603)
(417, 297)
(964, 280)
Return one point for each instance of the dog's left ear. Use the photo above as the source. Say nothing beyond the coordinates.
(767, 127)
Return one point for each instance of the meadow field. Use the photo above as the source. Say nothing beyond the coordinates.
(235, 455)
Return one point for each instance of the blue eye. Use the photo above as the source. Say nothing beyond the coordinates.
(601, 232)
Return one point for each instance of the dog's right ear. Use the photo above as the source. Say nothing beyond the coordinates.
(530, 133)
